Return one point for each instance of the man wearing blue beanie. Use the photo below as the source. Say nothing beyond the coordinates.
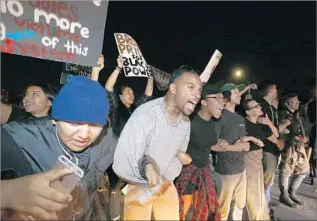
(77, 131)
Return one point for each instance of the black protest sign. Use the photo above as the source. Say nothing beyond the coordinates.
(134, 64)
(70, 70)
(66, 31)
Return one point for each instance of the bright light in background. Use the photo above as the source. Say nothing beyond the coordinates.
(238, 73)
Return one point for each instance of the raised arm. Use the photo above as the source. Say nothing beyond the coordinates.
(96, 70)
(251, 86)
(111, 81)
(149, 87)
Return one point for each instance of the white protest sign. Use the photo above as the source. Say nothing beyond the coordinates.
(211, 66)
(134, 64)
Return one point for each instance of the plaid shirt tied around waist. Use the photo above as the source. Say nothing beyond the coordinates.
(207, 207)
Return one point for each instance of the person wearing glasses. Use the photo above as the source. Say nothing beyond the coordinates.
(230, 166)
(195, 185)
(256, 201)
(295, 155)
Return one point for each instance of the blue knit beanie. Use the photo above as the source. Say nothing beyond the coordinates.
(82, 100)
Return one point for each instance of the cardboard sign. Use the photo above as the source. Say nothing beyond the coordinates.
(70, 70)
(134, 64)
(211, 66)
(66, 31)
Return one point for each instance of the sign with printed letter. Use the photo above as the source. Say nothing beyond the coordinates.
(211, 66)
(134, 64)
(70, 70)
(66, 31)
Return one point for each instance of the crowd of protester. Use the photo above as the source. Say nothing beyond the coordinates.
(204, 151)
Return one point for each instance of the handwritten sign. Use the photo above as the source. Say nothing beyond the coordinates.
(70, 70)
(134, 64)
(66, 31)
(211, 66)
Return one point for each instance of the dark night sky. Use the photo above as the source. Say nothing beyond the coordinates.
(270, 40)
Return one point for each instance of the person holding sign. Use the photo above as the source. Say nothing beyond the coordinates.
(152, 145)
(121, 108)
(123, 104)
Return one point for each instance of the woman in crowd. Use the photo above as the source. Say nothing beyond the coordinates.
(37, 102)
(256, 201)
(122, 104)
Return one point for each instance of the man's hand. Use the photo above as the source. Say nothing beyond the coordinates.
(33, 194)
(120, 61)
(184, 158)
(264, 120)
(152, 176)
(302, 139)
(100, 64)
(253, 86)
(286, 131)
(280, 144)
(222, 143)
(286, 122)
(258, 142)
(242, 146)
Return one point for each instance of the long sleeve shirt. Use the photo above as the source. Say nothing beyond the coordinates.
(148, 133)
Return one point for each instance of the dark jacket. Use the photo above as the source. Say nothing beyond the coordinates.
(296, 127)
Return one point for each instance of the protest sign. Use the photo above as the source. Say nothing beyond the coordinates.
(66, 31)
(211, 66)
(70, 70)
(134, 64)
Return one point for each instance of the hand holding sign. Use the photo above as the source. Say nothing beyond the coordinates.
(211, 66)
(120, 61)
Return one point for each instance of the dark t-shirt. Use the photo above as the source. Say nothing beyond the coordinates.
(273, 116)
(258, 131)
(230, 127)
(202, 137)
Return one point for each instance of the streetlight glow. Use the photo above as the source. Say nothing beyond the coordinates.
(238, 73)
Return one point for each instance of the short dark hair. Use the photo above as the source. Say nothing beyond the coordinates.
(264, 87)
(181, 70)
(121, 89)
(49, 90)
(245, 104)
(289, 96)
(227, 95)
